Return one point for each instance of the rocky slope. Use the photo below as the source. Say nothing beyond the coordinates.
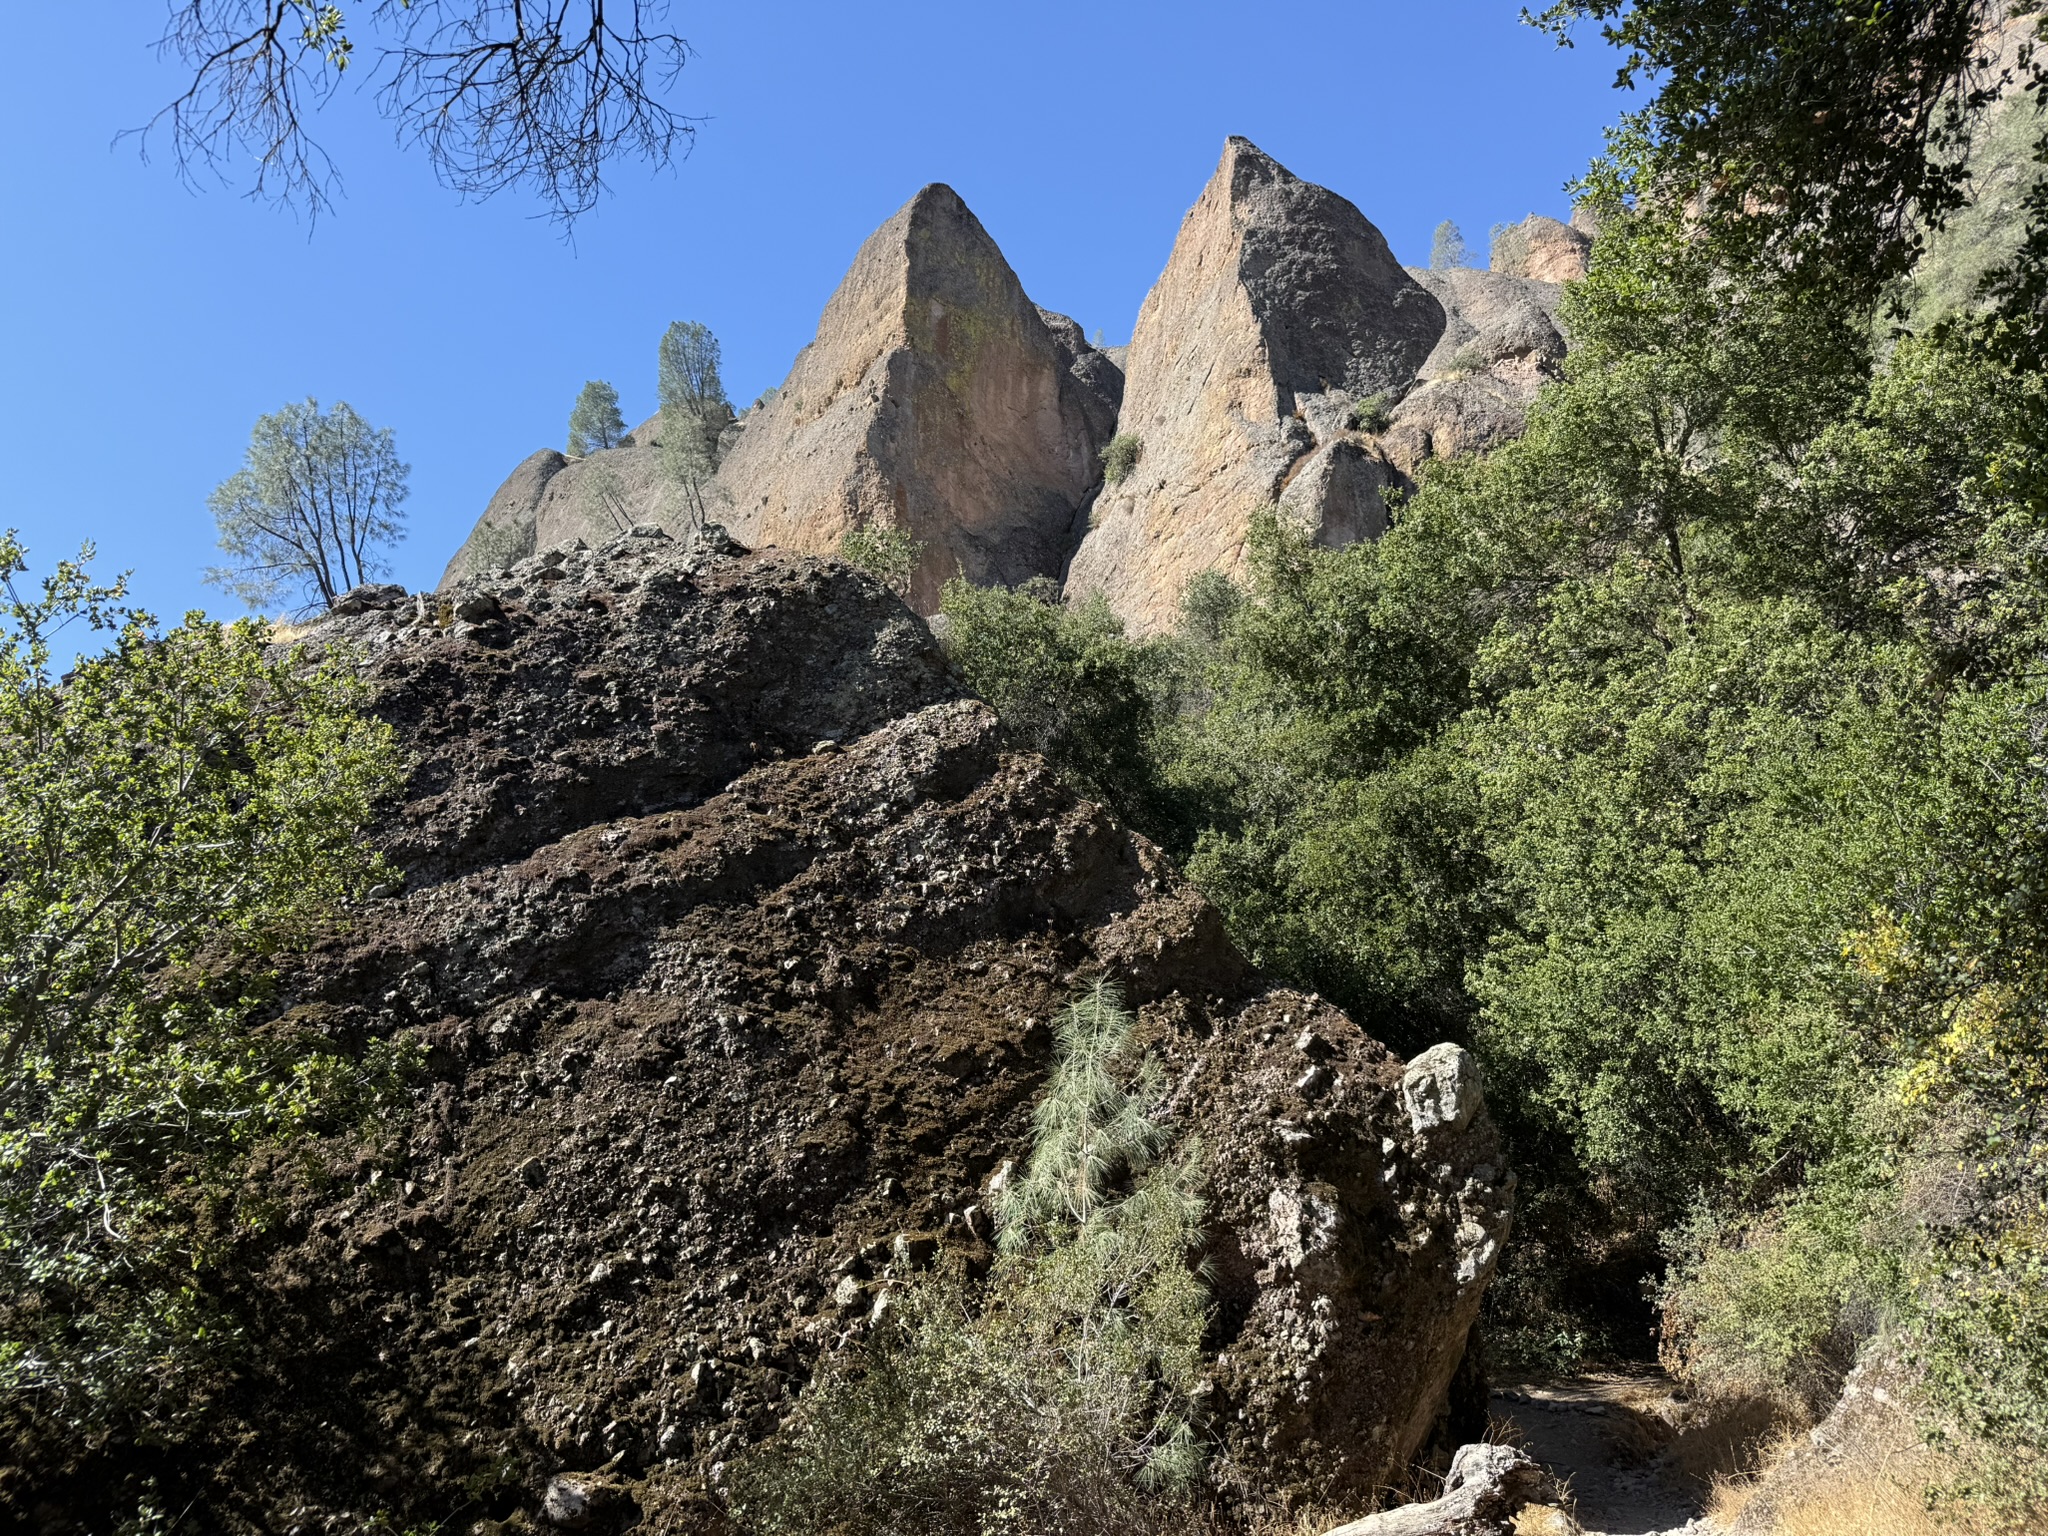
(732, 930)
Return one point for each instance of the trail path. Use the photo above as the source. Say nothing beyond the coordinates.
(1600, 1437)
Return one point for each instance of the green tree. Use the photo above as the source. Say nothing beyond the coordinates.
(885, 552)
(176, 809)
(320, 494)
(687, 377)
(1447, 248)
(594, 421)
(694, 412)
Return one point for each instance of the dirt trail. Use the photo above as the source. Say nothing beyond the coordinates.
(1605, 1439)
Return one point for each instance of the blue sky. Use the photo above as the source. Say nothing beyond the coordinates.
(146, 327)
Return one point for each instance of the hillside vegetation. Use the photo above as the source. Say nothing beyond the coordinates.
(1685, 758)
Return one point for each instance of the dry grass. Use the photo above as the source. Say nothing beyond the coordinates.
(1860, 1501)
(1545, 1520)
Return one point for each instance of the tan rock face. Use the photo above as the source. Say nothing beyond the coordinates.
(935, 399)
(506, 531)
(1279, 307)
(1544, 249)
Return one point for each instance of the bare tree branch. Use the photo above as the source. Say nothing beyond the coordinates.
(498, 93)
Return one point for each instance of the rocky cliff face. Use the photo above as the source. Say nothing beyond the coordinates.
(937, 399)
(733, 931)
(1500, 342)
(1279, 308)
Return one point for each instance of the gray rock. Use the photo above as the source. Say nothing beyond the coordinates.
(505, 533)
(1441, 1089)
(566, 1504)
(1337, 494)
(371, 594)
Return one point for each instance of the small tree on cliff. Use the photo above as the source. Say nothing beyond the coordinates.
(1447, 248)
(318, 496)
(594, 421)
(694, 410)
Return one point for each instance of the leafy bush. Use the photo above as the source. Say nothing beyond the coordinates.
(885, 552)
(1069, 685)
(1371, 415)
(182, 795)
(1121, 456)
(1062, 1398)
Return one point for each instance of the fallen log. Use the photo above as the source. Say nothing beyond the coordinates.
(1486, 1489)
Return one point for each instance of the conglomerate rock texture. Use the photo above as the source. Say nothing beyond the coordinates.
(935, 399)
(1279, 309)
(733, 930)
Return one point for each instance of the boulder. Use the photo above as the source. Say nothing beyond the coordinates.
(729, 937)
(935, 398)
(1279, 307)
(1501, 342)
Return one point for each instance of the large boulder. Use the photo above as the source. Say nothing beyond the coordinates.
(1279, 308)
(1543, 248)
(935, 399)
(731, 933)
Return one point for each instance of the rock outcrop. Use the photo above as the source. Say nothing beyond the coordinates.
(1500, 343)
(936, 399)
(509, 528)
(1279, 308)
(1543, 248)
(731, 932)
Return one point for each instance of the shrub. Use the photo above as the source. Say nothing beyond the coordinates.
(182, 795)
(1063, 1397)
(886, 552)
(1121, 456)
(1371, 415)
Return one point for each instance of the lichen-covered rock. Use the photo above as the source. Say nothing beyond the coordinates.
(1279, 307)
(935, 399)
(1501, 343)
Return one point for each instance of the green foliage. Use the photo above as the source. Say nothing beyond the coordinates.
(694, 411)
(319, 495)
(1447, 248)
(687, 371)
(1121, 456)
(181, 797)
(885, 552)
(1061, 1398)
(594, 421)
(1068, 684)
(1371, 415)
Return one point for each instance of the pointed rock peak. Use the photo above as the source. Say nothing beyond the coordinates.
(1245, 165)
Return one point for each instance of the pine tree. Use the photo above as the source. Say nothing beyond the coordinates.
(595, 421)
(1447, 248)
